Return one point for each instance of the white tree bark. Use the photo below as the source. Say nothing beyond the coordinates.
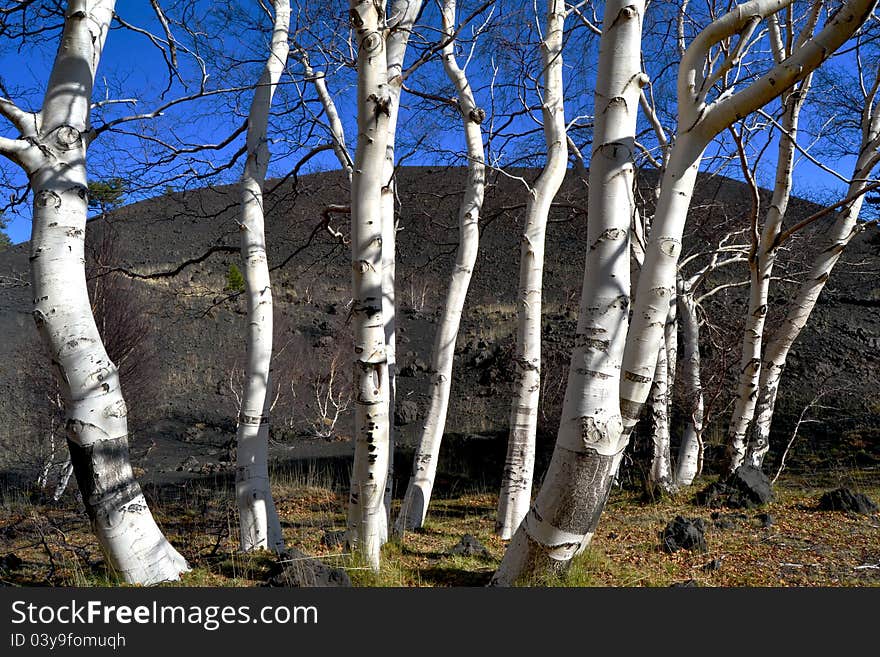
(367, 520)
(562, 518)
(660, 477)
(838, 236)
(418, 493)
(519, 464)
(259, 524)
(690, 451)
(401, 22)
(52, 151)
(334, 123)
(566, 512)
(762, 258)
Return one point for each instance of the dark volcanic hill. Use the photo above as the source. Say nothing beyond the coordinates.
(192, 351)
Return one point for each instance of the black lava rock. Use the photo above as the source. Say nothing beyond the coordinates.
(712, 566)
(843, 499)
(10, 562)
(684, 534)
(297, 569)
(765, 519)
(469, 546)
(333, 538)
(746, 489)
(405, 412)
(413, 368)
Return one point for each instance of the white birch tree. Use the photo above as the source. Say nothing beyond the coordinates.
(259, 524)
(367, 516)
(689, 300)
(414, 505)
(51, 148)
(516, 480)
(400, 26)
(764, 249)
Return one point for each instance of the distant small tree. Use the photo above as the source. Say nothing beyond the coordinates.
(106, 194)
(234, 279)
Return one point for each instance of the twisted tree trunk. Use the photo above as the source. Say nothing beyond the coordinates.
(259, 524)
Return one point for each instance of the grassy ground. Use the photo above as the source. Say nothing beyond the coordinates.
(803, 547)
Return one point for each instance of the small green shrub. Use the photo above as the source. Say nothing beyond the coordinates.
(234, 279)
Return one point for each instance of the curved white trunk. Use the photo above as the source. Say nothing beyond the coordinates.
(690, 450)
(97, 428)
(563, 516)
(414, 506)
(367, 520)
(334, 123)
(519, 464)
(259, 524)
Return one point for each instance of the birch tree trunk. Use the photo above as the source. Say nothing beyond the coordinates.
(402, 19)
(691, 448)
(838, 236)
(367, 520)
(563, 516)
(591, 440)
(52, 151)
(418, 493)
(660, 476)
(761, 262)
(334, 123)
(259, 524)
(519, 464)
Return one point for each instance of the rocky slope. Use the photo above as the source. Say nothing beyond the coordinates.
(182, 414)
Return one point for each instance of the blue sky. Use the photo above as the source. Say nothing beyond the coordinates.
(132, 67)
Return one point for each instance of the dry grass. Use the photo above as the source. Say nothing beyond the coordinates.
(803, 547)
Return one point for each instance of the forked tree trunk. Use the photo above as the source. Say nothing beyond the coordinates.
(591, 440)
(704, 121)
(559, 523)
(838, 236)
(52, 151)
(519, 464)
(367, 520)
(418, 493)
(259, 524)
(761, 262)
